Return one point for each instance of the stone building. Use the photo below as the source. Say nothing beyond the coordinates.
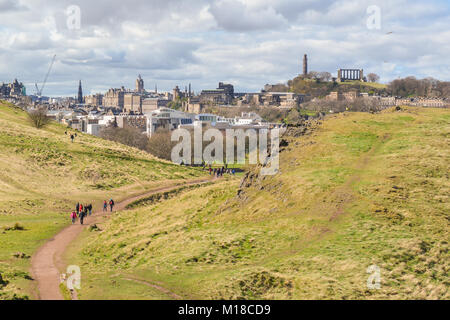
(95, 100)
(177, 94)
(132, 103)
(350, 75)
(274, 99)
(114, 98)
(4, 90)
(423, 102)
(152, 104)
(338, 96)
(224, 94)
(14, 89)
(193, 105)
(139, 85)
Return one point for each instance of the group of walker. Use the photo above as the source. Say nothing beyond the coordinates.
(83, 211)
(221, 171)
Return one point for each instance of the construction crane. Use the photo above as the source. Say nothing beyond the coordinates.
(39, 91)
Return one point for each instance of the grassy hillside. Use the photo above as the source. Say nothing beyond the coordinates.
(42, 177)
(362, 190)
(364, 85)
(323, 88)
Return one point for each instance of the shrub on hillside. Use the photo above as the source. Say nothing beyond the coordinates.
(38, 117)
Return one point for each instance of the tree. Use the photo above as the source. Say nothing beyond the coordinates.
(38, 117)
(325, 76)
(313, 75)
(373, 77)
(129, 136)
(160, 144)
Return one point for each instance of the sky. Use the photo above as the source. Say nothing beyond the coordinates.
(249, 43)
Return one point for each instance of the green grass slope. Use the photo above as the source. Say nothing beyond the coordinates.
(362, 190)
(43, 175)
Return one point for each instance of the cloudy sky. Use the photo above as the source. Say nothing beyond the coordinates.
(245, 42)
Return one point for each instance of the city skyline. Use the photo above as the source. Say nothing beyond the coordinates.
(246, 43)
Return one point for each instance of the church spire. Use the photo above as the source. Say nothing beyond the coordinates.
(80, 93)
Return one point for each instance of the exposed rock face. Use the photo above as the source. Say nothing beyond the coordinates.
(253, 178)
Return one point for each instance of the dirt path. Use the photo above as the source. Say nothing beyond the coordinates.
(157, 287)
(47, 262)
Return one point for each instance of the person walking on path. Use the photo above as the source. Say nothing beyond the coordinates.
(73, 216)
(89, 207)
(81, 217)
(105, 206)
(111, 204)
(77, 208)
(81, 208)
(72, 137)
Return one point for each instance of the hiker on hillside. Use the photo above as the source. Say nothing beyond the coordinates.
(81, 217)
(81, 208)
(89, 207)
(85, 211)
(105, 206)
(72, 137)
(77, 207)
(111, 204)
(73, 216)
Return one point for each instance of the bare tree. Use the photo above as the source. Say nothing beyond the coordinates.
(160, 144)
(373, 77)
(38, 117)
(129, 136)
(325, 76)
(313, 75)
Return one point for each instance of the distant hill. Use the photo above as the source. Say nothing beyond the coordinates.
(319, 89)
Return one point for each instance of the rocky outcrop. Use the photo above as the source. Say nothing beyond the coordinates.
(253, 178)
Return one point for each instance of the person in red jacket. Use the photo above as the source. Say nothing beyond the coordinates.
(111, 204)
(73, 216)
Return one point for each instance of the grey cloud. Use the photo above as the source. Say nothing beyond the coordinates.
(11, 5)
(234, 15)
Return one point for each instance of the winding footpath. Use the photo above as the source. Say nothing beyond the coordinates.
(47, 262)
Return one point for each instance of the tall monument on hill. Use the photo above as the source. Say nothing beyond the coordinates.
(80, 94)
(305, 65)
